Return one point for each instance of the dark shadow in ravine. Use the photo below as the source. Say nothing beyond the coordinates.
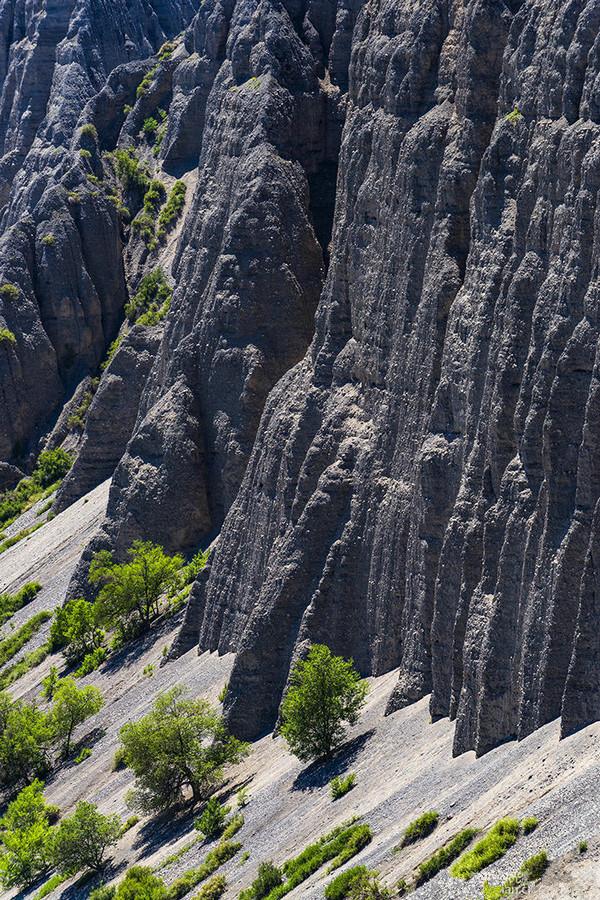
(318, 774)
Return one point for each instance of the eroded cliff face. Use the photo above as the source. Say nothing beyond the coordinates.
(387, 414)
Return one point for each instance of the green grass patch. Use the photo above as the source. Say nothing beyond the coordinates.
(11, 645)
(499, 839)
(50, 885)
(7, 336)
(339, 786)
(17, 538)
(12, 673)
(335, 848)
(215, 888)
(420, 828)
(531, 870)
(172, 209)
(11, 603)
(223, 852)
(152, 300)
(443, 857)
(529, 824)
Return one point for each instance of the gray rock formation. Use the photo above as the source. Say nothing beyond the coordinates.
(389, 414)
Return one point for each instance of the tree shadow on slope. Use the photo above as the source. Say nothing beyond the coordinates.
(136, 647)
(87, 882)
(319, 773)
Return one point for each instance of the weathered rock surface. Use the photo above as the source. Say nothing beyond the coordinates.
(389, 415)
(423, 485)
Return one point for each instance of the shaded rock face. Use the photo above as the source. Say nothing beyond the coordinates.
(60, 246)
(377, 381)
(422, 490)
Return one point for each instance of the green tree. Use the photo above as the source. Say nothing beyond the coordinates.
(325, 692)
(81, 840)
(180, 744)
(75, 629)
(26, 736)
(24, 832)
(72, 705)
(132, 590)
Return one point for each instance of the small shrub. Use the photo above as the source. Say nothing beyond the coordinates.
(119, 760)
(420, 828)
(499, 839)
(127, 109)
(9, 291)
(221, 854)
(11, 603)
(11, 645)
(214, 889)
(48, 240)
(104, 892)
(514, 116)
(148, 671)
(269, 877)
(85, 754)
(233, 826)
(130, 171)
(166, 51)
(583, 846)
(339, 786)
(150, 125)
(140, 883)
(339, 888)
(50, 886)
(129, 823)
(89, 130)
(85, 154)
(7, 336)
(146, 82)
(368, 887)
(223, 692)
(242, 798)
(442, 858)
(534, 867)
(152, 300)
(51, 466)
(111, 352)
(172, 209)
(212, 821)
(529, 824)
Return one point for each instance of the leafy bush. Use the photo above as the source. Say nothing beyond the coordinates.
(212, 821)
(11, 603)
(82, 839)
(166, 51)
(51, 467)
(179, 744)
(83, 755)
(339, 888)
(144, 221)
(528, 825)
(131, 173)
(111, 352)
(269, 877)
(514, 116)
(420, 828)
(50, 886)
(150, 125)
(242, 798)
(77, 419)
(368, 887)
(50, 683)
(24, 831)
(130, 592)
(91, 662)
(71, 706)
(442, 858)
(325, 692)
(152, 299)
(49, 239)
(7, 336)
(119, 760)
(172, 209)
(534, 867)
(339, 786)
(583, 846)
(493, 846)
(9, 291)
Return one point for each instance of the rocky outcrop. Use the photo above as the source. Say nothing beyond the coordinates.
(62, 243)
(421, 491)
(388, 415)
